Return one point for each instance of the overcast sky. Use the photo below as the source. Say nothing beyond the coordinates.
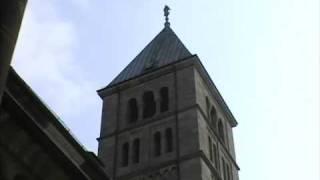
(263, 56)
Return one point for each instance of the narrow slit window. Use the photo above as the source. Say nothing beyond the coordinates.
(208, 107)
(221, 130)
(125, 155)
(136, 151)
(157, 144)
(214, 152)
(169, 140)
(213, 117)
(164, 101)
(210, 149)
(149, 104)
(132, 110)
(223, 169)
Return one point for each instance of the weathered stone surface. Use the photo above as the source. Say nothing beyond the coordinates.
(190, 92)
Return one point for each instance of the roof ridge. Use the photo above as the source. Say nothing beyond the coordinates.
(163, 49)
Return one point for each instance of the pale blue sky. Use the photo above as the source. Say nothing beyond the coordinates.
(263, 56)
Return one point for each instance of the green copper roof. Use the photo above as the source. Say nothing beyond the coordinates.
(164, 49)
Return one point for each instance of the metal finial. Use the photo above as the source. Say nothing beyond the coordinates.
(166, 14)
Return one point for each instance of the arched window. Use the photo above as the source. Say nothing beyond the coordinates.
(136, 151)
(132, 110)
(149, 104)
(164, 99)
(157, 144)
(125, 154)
(169, 140)
(221, 130)
(213, 117)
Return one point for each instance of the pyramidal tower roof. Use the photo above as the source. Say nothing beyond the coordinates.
(166, 48)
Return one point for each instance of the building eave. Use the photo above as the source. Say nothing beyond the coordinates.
(105, 91)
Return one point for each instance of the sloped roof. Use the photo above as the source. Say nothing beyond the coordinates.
(164, 49)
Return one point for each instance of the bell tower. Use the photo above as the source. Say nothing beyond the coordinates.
(163, 118)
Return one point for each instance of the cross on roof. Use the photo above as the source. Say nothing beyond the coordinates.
(166, 14)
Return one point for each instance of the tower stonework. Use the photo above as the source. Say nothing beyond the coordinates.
(163, 118)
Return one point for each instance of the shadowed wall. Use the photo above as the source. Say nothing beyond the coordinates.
(11, 14)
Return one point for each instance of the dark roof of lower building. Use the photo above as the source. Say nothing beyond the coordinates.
(34, 116)
(164, 49)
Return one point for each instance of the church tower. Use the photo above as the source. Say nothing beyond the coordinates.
(163, 118)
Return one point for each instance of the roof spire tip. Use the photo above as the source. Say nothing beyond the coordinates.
(166, 14)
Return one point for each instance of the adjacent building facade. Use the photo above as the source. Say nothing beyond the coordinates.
(11, 14)
(34, 144)
(163, 118)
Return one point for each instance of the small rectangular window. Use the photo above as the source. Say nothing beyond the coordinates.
(169, 140)
(157, 144)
